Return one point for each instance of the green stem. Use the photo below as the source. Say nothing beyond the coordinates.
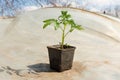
(67, 33)
(63, 37)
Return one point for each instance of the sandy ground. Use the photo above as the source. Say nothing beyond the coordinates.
(23, 53)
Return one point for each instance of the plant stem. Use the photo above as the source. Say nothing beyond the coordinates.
(63, 37)
(67, 33)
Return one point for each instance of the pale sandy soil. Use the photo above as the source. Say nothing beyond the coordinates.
(23, 47)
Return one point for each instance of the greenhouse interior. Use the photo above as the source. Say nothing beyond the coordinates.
(59, 39)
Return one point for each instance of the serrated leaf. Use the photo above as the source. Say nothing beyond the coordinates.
(45, 25)
(57, 25)
(64, 12)
(48, 22)
(71, 29)
(68, 16)
(78, 27)
(71, 22)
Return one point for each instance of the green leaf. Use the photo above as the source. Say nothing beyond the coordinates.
(71, 22)
(71, 29)
(57, 25)
(64, 12)
(78, 27)
(48, 22)
(45, 25)
(68, 16)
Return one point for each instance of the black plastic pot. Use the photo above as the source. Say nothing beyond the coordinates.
(61, 59)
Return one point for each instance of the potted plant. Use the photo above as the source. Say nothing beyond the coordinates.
(61, 56)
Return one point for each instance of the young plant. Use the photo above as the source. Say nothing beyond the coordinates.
(62, 22)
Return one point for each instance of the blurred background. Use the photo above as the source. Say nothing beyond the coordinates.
(11, 8)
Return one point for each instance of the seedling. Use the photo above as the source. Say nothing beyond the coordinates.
(63, 22)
